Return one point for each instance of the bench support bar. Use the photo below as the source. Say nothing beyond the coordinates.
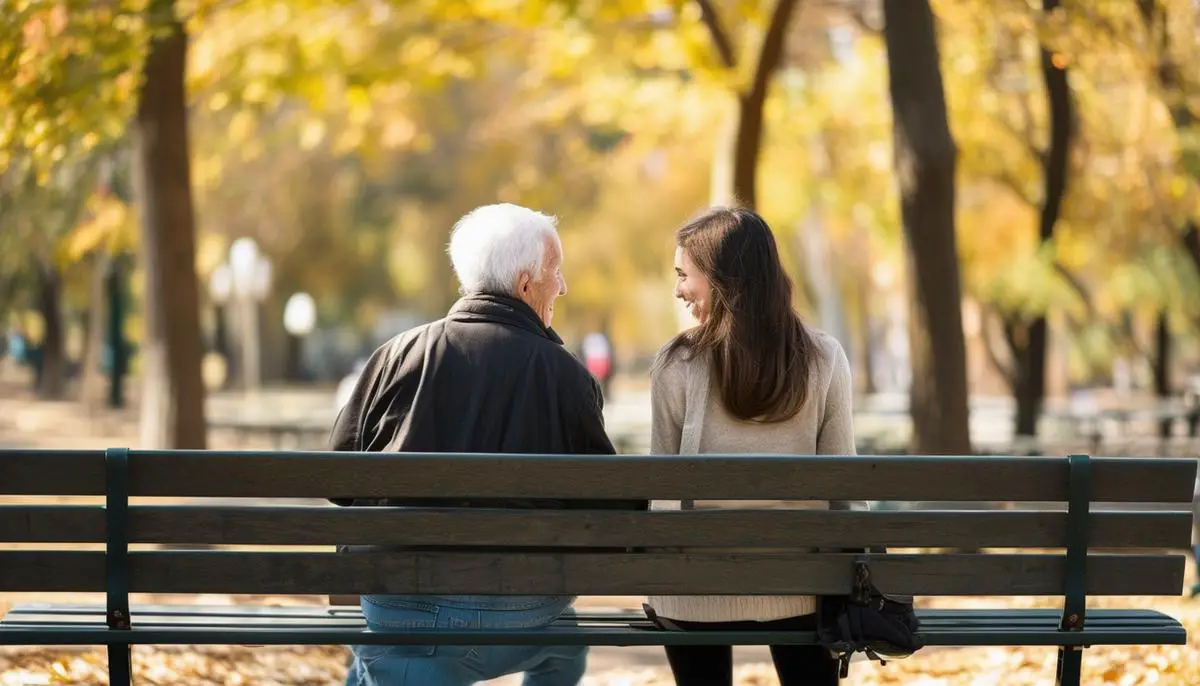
(116, 558)
(1079, 494)
(1070, 666)
(120, 665)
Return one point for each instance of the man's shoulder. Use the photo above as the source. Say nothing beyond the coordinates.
(403, 342)
(568, 366)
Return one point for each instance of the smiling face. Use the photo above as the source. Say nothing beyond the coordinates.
(541, 290)
(691, 286)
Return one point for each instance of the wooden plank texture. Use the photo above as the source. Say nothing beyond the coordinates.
(584, 574)
(636, 574)
(788, 529)
(51, 472)
(707, 477)
(710, 477)
(564, 528)
(51, 524)
(51, 571)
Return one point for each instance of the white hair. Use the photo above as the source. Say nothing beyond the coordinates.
(491, 245)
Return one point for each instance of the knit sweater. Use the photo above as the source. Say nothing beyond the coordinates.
(688, 418)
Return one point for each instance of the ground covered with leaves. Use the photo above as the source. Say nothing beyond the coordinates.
(296, 666)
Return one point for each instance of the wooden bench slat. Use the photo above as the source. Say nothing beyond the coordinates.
(51, 472)
(585, 574)
(707, 477)
(31, 571)
(636, 574)
(306, 525)
(51, 524)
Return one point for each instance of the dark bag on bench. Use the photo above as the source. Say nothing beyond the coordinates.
(868, 621)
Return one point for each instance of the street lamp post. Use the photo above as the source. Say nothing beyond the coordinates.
(299, 319)
(250, 279)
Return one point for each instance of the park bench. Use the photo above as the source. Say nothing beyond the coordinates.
(1073, 550)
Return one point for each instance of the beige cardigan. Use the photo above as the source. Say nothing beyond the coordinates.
(688, 420)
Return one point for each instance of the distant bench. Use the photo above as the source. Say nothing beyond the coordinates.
(685, 552)
(284, 435)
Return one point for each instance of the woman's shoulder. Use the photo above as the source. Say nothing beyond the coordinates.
(673, 359)
(828, 346)
(829, 351)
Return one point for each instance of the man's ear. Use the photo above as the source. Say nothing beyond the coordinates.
(524, 280)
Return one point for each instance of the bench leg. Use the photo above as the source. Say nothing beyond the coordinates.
(1070, 666)
(120, 665)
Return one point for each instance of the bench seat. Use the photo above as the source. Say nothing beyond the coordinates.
(45, 624)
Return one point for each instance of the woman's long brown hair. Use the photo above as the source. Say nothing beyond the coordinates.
(761, 353)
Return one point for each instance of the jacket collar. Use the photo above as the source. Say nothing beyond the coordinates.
(502, 309)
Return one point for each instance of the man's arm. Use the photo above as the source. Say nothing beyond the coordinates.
(346, 434)
(591, 438)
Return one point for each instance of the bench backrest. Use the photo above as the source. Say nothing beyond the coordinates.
(735, 551)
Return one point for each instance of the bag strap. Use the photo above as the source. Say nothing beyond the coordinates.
(695, 404)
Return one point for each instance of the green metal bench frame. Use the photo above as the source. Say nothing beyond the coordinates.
(1072, 629)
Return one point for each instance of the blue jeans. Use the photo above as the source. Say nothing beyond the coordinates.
(383, 665)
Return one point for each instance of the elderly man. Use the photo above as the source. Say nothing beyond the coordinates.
(491, 377)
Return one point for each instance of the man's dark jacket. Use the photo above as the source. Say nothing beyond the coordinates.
(488, 378)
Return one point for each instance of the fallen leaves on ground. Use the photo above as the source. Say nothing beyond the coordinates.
(182, 665)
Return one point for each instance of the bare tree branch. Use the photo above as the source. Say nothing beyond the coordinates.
(720, 39)
(1028, 130)
(857, 13)
(1005, 369)
(1006, 178)
(771, 51)
(1076, 285)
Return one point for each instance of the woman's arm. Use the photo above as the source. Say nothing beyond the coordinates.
(836, 434)
(667, 392)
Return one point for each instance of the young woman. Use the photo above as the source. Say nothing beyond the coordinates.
(750, 378)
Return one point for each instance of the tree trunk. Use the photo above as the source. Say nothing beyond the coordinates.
(52, 360)
(1162, 366)
(746, 146)
(748, 126)
(1162, 355)
(866, 335)
(1030, 391)
(1027, 342)
(1171, 82)
(172, 410)
(925, 158)
(92, 391)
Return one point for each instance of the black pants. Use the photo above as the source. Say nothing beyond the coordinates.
(796, 665)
